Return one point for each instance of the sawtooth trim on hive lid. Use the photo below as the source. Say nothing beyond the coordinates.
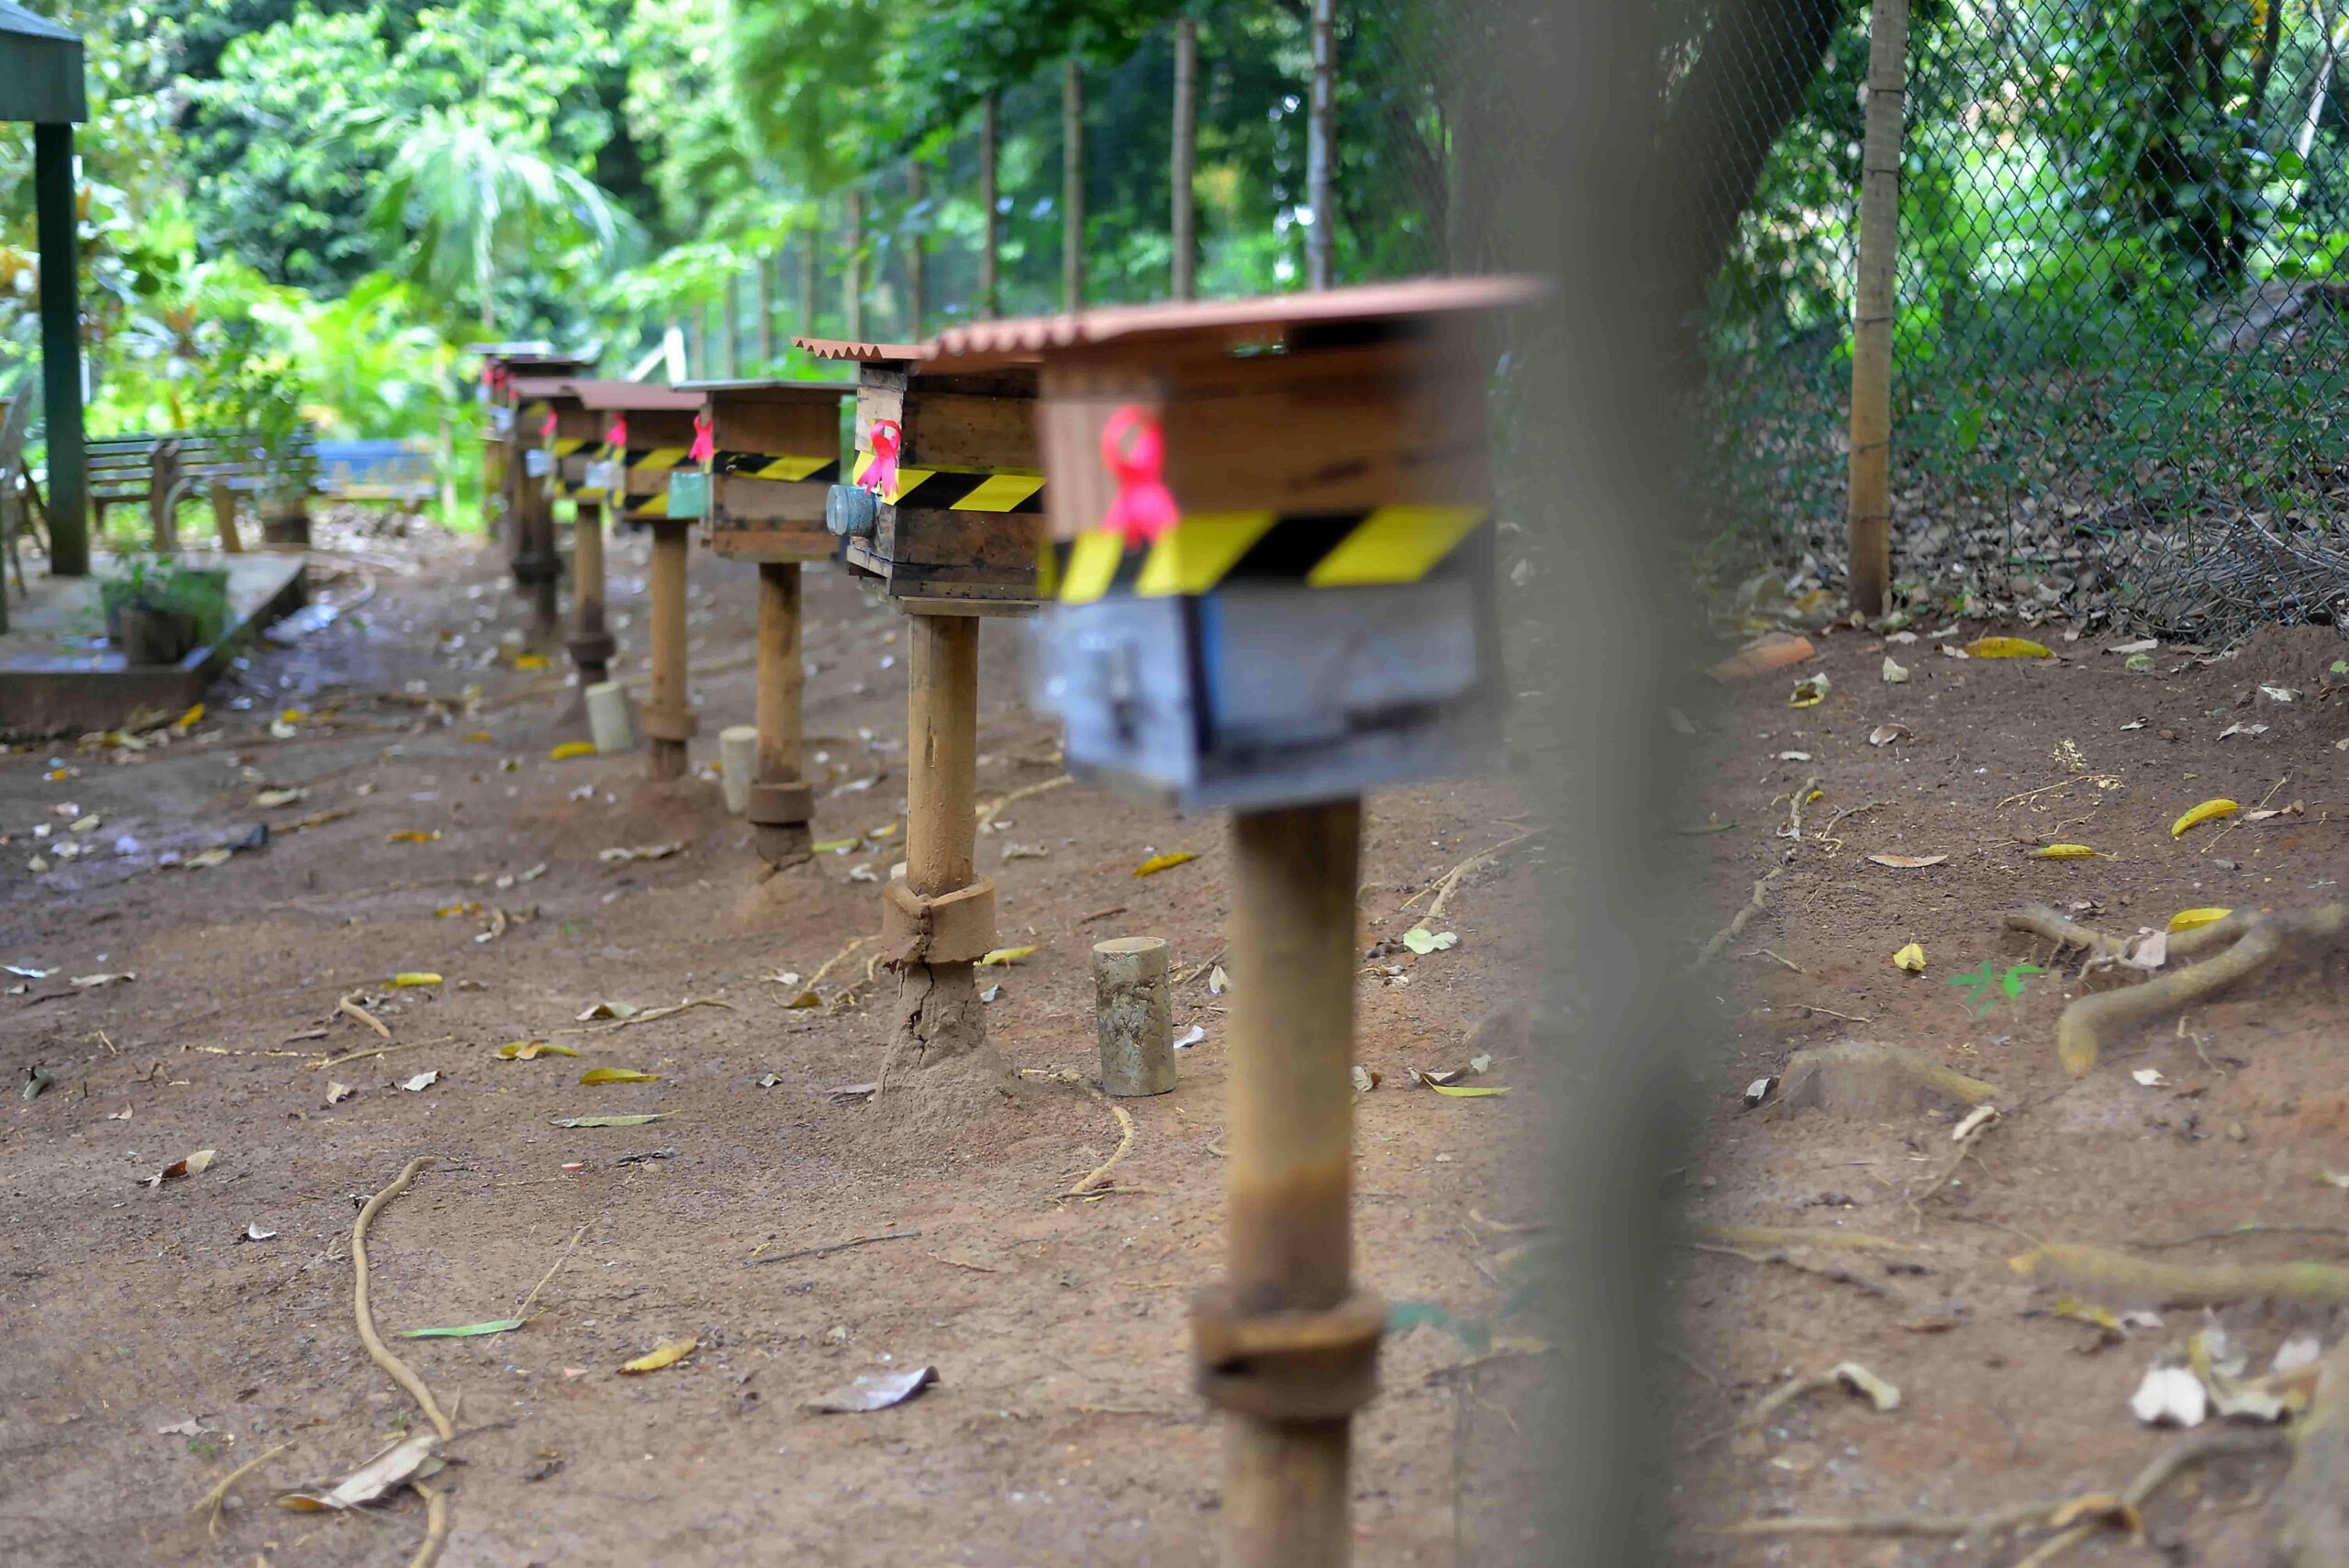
(1270, 318)
(845, 349)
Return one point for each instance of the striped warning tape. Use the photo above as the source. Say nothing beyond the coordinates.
(569, 446)
(962, 489)
(653, 506)
(1317, 550)
(655, 457)
(776, 465)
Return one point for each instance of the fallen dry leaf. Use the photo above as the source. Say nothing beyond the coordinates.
(1157, 864)
(1908, 863)
(527, 1050)
(1772, 651)
(410, 1459)
(2207, 811)
(1005, 956)
(2186, 919)
(413, 977)
(874, 1391)
(2063, 853)
(1886, 734)
(195, 1164)
(338, 1093)
(669, 1352)
(618, 1075)
(421, 1082)
(1910, 958)
(2006, 647)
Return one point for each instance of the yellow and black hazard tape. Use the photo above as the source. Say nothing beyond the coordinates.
(651, 457)
(1314, 550)
(655, 505)
(962, 489)
(570, 446)
(795, 468)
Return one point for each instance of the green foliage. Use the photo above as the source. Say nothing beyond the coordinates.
(161, 583)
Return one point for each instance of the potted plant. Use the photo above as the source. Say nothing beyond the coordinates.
(159, 611)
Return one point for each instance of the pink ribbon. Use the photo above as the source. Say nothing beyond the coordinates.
(888, 439)
(1135, 451)
(546, 431)
(617, 435)
(705, 445)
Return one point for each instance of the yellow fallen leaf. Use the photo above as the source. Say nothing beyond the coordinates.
(668, 1354)
(447, 910)
(2063, 853)
(524, 1049)
(529, 661)
(883, 832)
(292, 715)
(1810, 692)
(2006, 647)
(1911, 958)
(480, 737)
(1157, 864)
(2186, 919)
(569, 749)
(1005, 957)
(2104, 1505)
(1908, 862)
(805, 1000)
(416, 977)
(1459, 1091)
(618, 1075)
(2205, 812)
(416, 836)
(189, 719)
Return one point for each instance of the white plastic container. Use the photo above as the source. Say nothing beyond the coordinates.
(607, 717)
(738, 764)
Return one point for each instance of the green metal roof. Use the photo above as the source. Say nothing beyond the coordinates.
(41, 69)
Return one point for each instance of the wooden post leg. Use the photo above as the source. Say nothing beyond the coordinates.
(1289, 1128)
(590, 645)
(543, 563)
(941, 1025)
(224, 518)
(668, 720)
(780, 801)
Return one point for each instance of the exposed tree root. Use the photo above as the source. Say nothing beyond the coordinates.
(1770, 1236)
(2247, 943)
(2311, 1505)
(436, 1504)
(2018, 1515)
(2186, 1285)
(1836, 1273)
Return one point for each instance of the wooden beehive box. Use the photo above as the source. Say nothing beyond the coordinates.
(660, 422)
(775, 454)
(962, 530)
(1325, 516)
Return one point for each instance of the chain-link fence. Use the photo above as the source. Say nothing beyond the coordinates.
(2117, 345)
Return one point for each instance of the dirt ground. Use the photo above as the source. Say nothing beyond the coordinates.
(1062, 1429)
(2003, 1400)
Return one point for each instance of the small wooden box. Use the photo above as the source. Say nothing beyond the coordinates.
(1309, 611)
(962, 532)
(659, 423)
(776, 455)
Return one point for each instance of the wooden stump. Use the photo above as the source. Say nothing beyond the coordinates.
(1135, 1016)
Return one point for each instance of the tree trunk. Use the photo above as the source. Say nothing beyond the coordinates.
(989, 303)
(1072, 187)
(917, 223)
(766, 264)
(1320, 130)
(1870, 498)
(809, 233)
(852, 283)
(1187, 111)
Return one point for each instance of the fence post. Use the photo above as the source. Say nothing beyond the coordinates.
(913, 302)
(1875, 291)
(1319, 128)
(1186, 155)
(988, 235)
(1072, 187)
(852, 283)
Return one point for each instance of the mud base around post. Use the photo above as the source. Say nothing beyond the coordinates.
(783, 845)
(665, 760)
(941, 1079)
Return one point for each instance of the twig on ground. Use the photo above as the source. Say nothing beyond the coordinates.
(1965, 1146)
(2107, 779)
(1847, 1017)
(832, 961)
(986, 814)
(1198, 969)
(210, 1504)
(959, 1264)
(436, 1507)
(1793, 830)
(562, 1257)
(829, 1248)
(2237, 824)
(2148, 1480)
(2249, 1228)
(1100, 914)
(1781, 958)
(1837, 1273)
(1450, 882)
(1125, 1144)
(349, 1008)
(320, 1063)
(1800, 1236)
(1826, 836)
(1738, 921)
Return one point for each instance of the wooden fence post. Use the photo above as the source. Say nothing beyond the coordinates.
(1873, 305)
(1072, 187)
(1186, 156)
